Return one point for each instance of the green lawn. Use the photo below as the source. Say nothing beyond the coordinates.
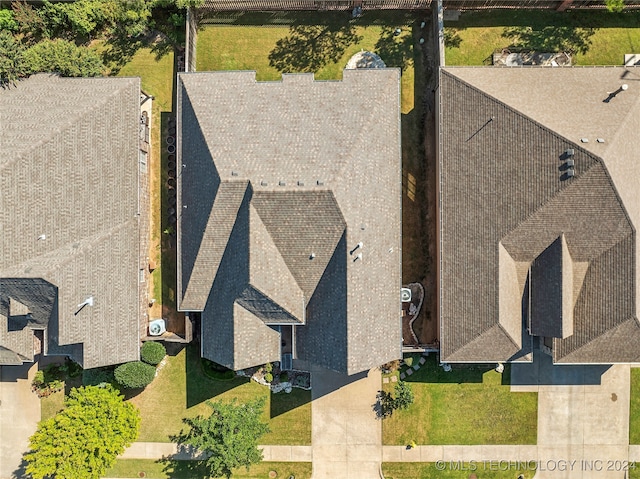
(291, 48)
(598, 38)
(154, 469)
(469, 405)
(51, 405)
(634, 407)
(181, 389)
(452, 470)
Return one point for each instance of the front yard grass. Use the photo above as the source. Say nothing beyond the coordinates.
(598, 38)
(634, 408)
(181, 389)
(156, 469)
(469, 405)
(428, 470)
(51, 405)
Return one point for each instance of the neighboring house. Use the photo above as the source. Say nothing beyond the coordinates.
(289, 214)
(73, 219)
(539, 209)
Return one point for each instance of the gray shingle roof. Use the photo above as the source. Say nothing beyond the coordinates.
(323, 162)
(70, 172)
(505, 200)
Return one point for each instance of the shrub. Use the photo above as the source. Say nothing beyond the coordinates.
(217, 371)
(38, 379)
(97, 376)
(7, 20)
(268, 367)
(73, 369)
(268, 377)
(135, 374)
(409, 361)
(284, 377)
(152, 352)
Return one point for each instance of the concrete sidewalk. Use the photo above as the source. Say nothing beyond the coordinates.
(159, 450)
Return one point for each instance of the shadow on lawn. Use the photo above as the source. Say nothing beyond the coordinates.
(178, 468)
(550, 38)
(395, 50)
(432, 372)
(308, 48)
(282, 403)
(201, 388)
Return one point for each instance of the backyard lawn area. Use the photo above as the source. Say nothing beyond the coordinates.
(156, 469)
(270, 49)
(634, 408)
(181, 389)
(469, 405)
(595, 37)
(428, 470)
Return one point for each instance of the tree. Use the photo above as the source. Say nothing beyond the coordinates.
(12, 64)
(7, 20)
(401, 399)
(135, 374)
(152, 352)
(615, 6)
(63, 57)
(228, 437)
(84, 439)
(404, 395)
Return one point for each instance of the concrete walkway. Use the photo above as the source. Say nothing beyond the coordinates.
(159, 450)
(345, 434)
(19, 417)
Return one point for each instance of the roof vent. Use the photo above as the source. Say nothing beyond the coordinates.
(282, 183)
(300, 183)
(320, 183)
(569, 152)
(42, 237)
(263, 183)
(312, 255)
(570, 163)
(358, 256)
(600, 140)
(571, 173)
(86, 302)
(234, 173)
(584, 140)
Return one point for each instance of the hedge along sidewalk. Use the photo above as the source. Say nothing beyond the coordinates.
(159, 450)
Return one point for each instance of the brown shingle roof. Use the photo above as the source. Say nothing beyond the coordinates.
(502, 185)
(70, 172)
(323, 162)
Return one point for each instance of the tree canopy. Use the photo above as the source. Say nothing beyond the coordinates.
(84, 439)
(228, 437)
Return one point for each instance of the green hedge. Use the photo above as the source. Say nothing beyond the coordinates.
(134, 375)
(152, 352)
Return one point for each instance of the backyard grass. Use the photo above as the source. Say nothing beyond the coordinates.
(248, 47)
(597, 38)
(634, 408)
(469, 405)
(181, 389)
(452, 470)
(156, 470)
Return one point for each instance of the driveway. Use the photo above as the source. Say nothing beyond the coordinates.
(19, 416)
(346, 436)
(583, 416)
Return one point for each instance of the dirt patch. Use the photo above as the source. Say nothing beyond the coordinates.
(419, 187)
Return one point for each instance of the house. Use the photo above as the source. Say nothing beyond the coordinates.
(539, 207)
(289, 213)
(73, 217)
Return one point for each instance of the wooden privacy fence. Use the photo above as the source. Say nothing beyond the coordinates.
(319, 5)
